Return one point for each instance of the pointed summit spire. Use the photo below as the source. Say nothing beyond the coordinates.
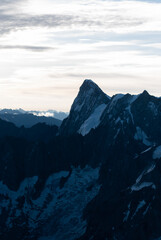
(89, 84)
(89, 97)
(89, 94)
(90, 88)
(145, 93)
(144, 96)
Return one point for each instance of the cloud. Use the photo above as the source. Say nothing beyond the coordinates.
(110, 16)
(14, 22)
(30, 48)
(118, 16)
(9, 2)
(115, 43)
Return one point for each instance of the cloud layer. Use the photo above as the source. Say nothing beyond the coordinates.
(48, 47)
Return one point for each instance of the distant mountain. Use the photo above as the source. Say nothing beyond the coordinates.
(96, 177)
(27, 119)
(50, 113)
(30, 118)
(12, 111)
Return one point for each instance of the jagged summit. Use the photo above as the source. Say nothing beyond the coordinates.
(144, 95)
(144, 98)
(89, 85)
(89, 93)
(89, 82)
(145, 92)
(92, 108)
(90, 100)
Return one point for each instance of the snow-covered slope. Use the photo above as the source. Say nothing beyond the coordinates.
(93, 121)
(58, 211)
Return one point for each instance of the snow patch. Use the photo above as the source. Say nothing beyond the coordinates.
(146, 171)
(118, 120)
(93, 121)
(153, 108)
(157, 153)
(66, 207)
(127, 213)
(147, 150)
(58, 211)
(117, 133)
(140, 205)
(146, 210)
(141, 135)
(150, 169)
(133, 98)
(130, 113)
(139, 186)
(9, 198)
(28, 183)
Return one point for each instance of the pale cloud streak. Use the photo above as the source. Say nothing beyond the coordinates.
(95, 15)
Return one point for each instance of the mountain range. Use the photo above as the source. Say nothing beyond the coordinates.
(30, 118)
(97, 176)
(48, 113)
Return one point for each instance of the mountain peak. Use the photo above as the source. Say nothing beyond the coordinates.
(89, 92)
(89, 86)
(144, 96)
(145, 93)
(89, 83)
(90, 99)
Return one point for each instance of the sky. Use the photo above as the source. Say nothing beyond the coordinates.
(48, 47)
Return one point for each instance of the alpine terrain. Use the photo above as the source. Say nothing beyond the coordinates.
(97, 176)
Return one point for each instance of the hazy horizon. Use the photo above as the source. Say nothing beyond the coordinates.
(49, 47)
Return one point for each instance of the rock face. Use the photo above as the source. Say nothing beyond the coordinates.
(99, 178)
(88, 105)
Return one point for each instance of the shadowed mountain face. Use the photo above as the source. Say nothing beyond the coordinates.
(39, 132)
(96, 177)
